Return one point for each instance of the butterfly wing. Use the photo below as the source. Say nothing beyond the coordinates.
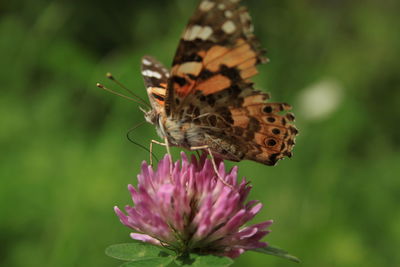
(217, 50)
(211, 72)
(155, 77)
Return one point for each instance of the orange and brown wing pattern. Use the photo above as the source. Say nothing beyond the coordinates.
(265, 128)
(210, 85)
(155, 77)
(217, 51)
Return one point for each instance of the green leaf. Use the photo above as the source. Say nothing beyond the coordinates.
(277, 252)
(136, 250)
(211, 260)
(196, 260)
(151, 262)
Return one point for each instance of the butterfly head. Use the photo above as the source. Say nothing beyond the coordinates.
(151, 116)
(154, 116)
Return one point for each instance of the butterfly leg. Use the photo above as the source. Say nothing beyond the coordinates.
(195, 148)
(170, 156)
(151, 149)
(166, 144)
(161, 144)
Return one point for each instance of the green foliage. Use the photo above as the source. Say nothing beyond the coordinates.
(140, 254)
(136, 250)
(144, 254)
(65, 161)
(205, 260)
(278, 252)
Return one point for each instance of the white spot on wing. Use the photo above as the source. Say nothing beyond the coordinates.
(146, 62)
(228, 13)
(206, 5)
(246, 20)
(192, 32)
(197, 31)
(205, 33)
(190, 67)
(228, 27)
(150, 73)
(245, 16)
(166, 73)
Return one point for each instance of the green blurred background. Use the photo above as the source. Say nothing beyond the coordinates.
(65, 160)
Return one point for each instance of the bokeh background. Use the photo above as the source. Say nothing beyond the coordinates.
(66, 161)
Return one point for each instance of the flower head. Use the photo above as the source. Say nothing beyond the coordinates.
(189, 209)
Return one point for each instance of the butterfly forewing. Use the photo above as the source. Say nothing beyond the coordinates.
(155, 77)
(217, 51)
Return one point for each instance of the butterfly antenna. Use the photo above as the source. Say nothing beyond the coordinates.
(136, 143)
(118, 94)
(112, 78)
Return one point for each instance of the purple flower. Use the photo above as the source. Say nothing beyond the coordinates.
(189, 209)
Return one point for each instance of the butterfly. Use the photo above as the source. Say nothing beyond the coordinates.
(207, 99)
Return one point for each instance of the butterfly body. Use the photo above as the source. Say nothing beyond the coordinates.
(208, 100)
(187, 134)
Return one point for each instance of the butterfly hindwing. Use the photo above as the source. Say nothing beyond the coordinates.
(266, 129)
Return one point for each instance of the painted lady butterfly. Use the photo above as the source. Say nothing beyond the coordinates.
(207, 99)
